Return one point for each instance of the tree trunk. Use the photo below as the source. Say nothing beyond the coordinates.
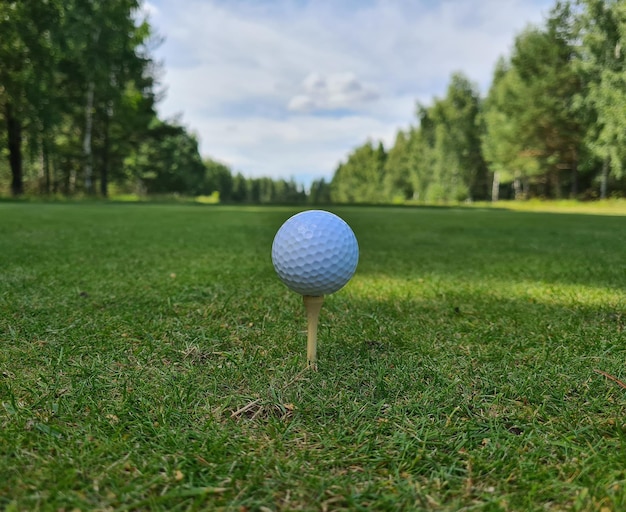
(14, 136)
(495, 187)
(106, 157)
(556, 184)
(605, 177)
(44, 162)
(66, 170)
(54, 177)
(104, 174)
(42, 173)
(87, 149)
(547, 186)
(574, 190)
(46, 167)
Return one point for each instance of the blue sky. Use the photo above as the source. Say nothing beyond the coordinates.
(287, 88)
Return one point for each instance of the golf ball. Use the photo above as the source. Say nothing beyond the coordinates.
(315, 253)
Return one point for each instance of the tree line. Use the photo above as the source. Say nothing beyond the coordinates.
(78, 90)
(553, 123)
(79, 86)
(236, 188)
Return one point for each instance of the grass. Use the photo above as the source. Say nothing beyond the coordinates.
(150, 359)
(597, 207)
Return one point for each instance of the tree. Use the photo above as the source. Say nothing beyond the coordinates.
(254, 190)
(26, 53)
(218, 178)
(288, 192)
(544, 62)
(320, 192)
(240, 188)
(168, 161)
(504, 141)
(459, 169)
(360, 178)
(602, 31)
(421, 155)
(106, 64)
(533, 130)
(70, 64)
(266, 192)
(398, 180)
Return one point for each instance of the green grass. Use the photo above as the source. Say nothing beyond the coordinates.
(598, 207)
(151, 359)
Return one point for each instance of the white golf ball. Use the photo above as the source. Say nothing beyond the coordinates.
(315, 253)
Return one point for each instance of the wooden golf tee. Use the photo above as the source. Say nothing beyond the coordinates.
(313, 305)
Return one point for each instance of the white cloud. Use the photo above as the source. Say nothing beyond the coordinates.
(302, 103)
(308, 147)
(337, 91)
(289, 87)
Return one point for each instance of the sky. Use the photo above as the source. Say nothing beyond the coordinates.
(288, 88)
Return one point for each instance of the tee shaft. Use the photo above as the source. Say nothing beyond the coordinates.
(313, 305)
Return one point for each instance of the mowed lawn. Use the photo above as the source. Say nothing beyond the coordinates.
(151, 359)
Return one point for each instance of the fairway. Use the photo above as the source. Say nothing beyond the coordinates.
(150, 358)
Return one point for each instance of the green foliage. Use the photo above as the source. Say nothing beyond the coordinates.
(78, 88)
(77, 97)
(157, 363)
(398, 181)
(28, 57)
(602, 30)
(168, 161)
(320, 192)
(459, 164)
(503, 142)
(440, 160)
(552, 121)
(360, 178)
(533, 132)
(219, 178)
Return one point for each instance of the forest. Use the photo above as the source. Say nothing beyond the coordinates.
(552, 125)
(78, 95)
(79, 88)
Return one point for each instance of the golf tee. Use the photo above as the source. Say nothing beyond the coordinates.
(313, 305)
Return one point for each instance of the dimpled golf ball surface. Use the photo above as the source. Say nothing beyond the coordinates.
(315, 253)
